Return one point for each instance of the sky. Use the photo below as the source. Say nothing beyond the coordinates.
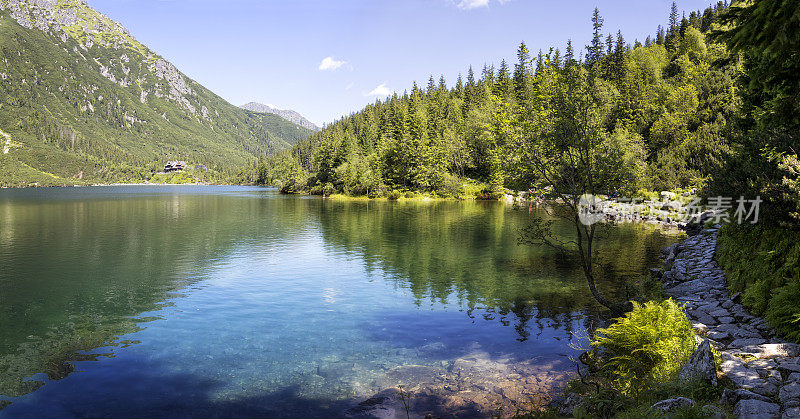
(329, 58)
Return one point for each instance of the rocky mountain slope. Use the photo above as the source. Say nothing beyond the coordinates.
(82, 101)
(286, 114)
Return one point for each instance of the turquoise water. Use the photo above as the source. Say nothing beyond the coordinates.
(232, 301)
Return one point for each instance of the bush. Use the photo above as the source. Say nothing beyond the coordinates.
(764, 265)
(394, 195)
(649, 345)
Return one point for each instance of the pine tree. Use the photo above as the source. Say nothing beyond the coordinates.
(569, 54)
(557, 58)
(673, 19)
(595, 49)
(522, 72)
(431, 85)
(503, 85)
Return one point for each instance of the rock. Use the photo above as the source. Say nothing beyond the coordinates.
(790, 391)
(671, 404)
(789, 367)
(795, 376)
(741, 343)
(686, 288)
(384, 405)
(671, 206)
(756, 409)
(720, 313)
(718, 335)
(772, 350)
(731, 397)
(568, 406)
(744, 377)
(726, 320)
(667, 195)
(701, 365)
(791, 413)
(766, 389)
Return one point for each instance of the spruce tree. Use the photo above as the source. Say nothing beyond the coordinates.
(595, 49)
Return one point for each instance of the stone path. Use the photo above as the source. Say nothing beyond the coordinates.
(764, 369)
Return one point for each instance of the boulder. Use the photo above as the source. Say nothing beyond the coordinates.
(791, 413)
(756, 409)
(671, 404)
(700, 365)
(732, 397)
(789, 392)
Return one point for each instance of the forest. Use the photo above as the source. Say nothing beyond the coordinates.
(697, 105)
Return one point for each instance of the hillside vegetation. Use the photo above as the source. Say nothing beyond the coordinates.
(82, 101)
(663, 111)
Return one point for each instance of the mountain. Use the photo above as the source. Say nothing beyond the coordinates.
(82, 101)
(286, 114)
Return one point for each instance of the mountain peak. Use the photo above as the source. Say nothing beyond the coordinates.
(287, 114)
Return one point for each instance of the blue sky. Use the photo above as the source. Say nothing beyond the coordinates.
(274, 51)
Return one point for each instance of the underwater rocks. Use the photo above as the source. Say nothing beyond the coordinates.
(474, 385)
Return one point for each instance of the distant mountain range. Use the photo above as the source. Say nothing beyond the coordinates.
(81, 100)
(286, 114)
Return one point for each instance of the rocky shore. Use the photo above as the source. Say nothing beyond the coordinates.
(762, 370)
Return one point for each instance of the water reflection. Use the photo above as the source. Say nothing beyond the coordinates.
(466, 254)
(267, 303)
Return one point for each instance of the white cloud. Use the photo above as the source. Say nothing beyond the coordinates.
(349, 86)
(472, 4)
(381, 90)
(475, 4)
(330, 64)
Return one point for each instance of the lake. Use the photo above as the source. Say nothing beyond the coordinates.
(228, 301)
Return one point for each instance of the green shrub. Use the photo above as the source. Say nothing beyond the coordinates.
(394, 195)
(647, 346)
(764, 265)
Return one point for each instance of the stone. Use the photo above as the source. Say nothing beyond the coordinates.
(742, 342)
(756, 409)
(772, 350)
(789, 367)
(791, 413)
(790, 391)
(795, 376)
(766, 389)
(718, 335)
(670, 405)
(731, 397)
(727, 304)
(744, 377)
(726, 320)
(701, 365)
(686, 288)
(720, 313)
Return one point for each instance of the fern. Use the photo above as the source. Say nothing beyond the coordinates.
(648, 345)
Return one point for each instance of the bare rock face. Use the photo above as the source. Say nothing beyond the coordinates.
(701, 365)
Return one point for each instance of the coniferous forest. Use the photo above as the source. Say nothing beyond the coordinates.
(696, 105)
